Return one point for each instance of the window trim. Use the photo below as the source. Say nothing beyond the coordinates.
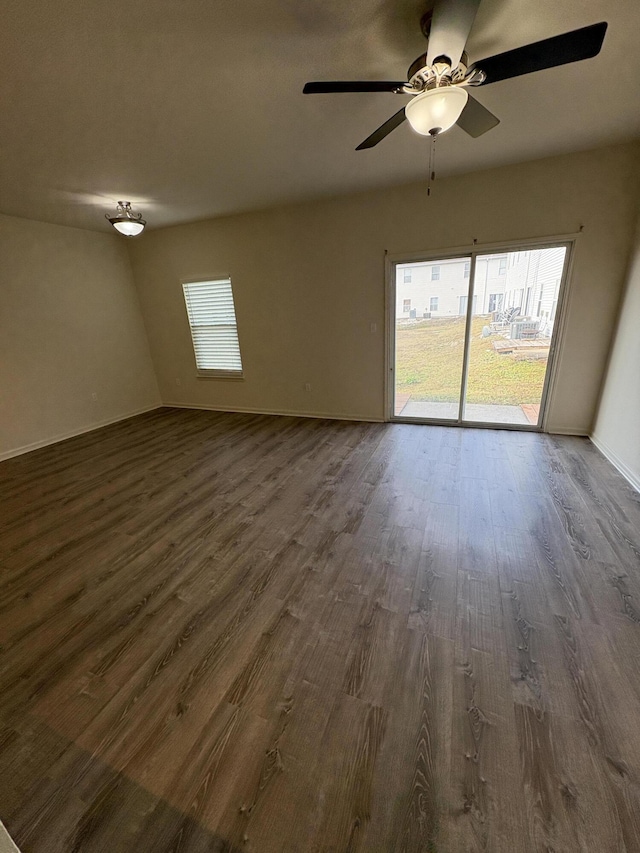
(213, 372)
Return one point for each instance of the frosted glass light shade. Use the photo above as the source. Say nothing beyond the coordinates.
(436, 110)
(125, 221)
(129, 227)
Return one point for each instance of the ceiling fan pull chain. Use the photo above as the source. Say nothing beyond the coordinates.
(432, 162)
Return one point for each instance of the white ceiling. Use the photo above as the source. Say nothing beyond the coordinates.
(194, 108)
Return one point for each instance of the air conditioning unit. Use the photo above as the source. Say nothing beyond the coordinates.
(524, 329)
(426, 315)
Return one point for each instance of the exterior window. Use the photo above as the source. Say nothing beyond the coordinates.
(214, 331)
(495, 302)
(467, 269)
(435, 273)
(503, 266)
(407, 276)
(433, 303)
(406, 306)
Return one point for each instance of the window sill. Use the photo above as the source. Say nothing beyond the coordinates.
(220, 374)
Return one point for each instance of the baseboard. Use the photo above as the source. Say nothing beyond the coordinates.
(632, 478)
(568, 431)
(36, 445)
(278, 412)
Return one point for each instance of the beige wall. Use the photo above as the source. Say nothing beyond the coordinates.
(309, 281)
(70, 326)
(617, 429)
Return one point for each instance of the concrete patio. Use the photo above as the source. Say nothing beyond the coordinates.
(526, 414)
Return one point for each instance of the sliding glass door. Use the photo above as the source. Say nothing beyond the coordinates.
(472, 335)
(430, 323)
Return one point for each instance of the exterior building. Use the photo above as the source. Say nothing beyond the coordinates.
(527, 280)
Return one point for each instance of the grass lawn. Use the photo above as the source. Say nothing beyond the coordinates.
(429, 365)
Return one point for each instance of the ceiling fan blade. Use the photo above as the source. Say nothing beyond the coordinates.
(476, 119)
(352, 86)
(384, 130)
(548, 53)
(450, 27)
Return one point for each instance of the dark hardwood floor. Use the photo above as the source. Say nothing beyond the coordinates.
(246, 633)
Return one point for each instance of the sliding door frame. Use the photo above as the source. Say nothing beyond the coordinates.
(471, 253)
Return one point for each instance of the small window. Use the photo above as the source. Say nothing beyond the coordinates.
(467, 269)
(435, 273)
(433, 303)
(214, 331)
(407, 276)
(406, 306)
(503, 266)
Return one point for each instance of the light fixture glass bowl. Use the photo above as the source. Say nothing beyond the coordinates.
(436, 110)
(128, 227)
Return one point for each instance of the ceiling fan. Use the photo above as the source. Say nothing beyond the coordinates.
(439, 79)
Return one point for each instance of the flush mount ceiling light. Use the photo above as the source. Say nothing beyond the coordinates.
(436, 110)
(126, 221)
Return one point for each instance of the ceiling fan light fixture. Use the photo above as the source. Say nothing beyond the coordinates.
(127, 222)
(436, 110)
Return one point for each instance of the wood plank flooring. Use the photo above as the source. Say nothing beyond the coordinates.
(246, 633)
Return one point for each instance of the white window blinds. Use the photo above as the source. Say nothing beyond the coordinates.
(214, 332)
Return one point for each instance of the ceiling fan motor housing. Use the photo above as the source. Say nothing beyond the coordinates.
(423, 76)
